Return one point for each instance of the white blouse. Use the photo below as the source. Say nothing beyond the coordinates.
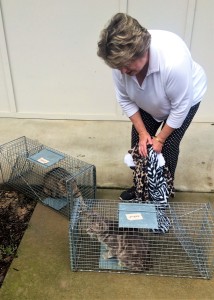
(173, 84)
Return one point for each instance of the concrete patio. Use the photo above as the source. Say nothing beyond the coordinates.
(104, 144)
(42, 268)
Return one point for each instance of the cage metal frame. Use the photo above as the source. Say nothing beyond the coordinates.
(19, 172)
(186, 250)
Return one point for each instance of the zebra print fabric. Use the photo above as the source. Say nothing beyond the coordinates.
(153, 184)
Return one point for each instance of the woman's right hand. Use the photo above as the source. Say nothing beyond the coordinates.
(144, 140)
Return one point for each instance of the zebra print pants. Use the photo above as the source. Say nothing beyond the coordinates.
(170, 149)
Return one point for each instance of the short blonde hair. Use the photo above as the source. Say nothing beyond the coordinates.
(122, 41)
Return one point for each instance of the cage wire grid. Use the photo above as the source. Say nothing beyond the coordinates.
(186, 250)
(46, 174)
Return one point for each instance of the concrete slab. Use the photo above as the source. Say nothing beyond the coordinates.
(104, 144)
(42, 268)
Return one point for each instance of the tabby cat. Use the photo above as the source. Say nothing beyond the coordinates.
(54, 184)
(126, 244)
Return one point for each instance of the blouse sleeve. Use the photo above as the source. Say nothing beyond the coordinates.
(179, 90)
(127, 105)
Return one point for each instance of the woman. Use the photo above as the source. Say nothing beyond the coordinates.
(157, 84)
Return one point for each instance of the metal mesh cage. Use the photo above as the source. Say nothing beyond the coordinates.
(46, 174)
(99, 243)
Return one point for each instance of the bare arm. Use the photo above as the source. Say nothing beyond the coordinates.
(144, 137)
(160, 139)
(165, 132)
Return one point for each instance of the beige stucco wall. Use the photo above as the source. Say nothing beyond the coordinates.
(48, 63)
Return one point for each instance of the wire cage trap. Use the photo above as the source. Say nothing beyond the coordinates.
(46, 174)
(119, 237)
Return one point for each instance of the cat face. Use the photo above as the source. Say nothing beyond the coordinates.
(97, 225)
(55, 184)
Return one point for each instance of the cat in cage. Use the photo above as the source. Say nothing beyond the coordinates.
(129, 246)
(54, 184)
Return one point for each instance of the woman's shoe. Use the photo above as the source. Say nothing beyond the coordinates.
(128, 195)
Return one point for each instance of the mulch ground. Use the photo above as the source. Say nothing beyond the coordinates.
(15, 213)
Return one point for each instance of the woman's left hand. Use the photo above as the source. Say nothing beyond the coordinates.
(157, 146)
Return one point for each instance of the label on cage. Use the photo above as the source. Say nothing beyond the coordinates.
(134, 217)
(137, 215)
(46, 157)
(42, 160)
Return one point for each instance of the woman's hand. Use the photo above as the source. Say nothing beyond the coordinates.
(157, 145)
(144, 140)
